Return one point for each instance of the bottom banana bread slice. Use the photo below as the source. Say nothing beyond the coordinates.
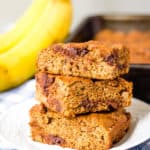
(95, 131)
(74, 95)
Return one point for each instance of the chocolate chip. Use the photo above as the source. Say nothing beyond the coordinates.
(121, 66)
(58, 106)
(49, 120)
(50, 81)
(85, 68)
(102, 137)
(57, 48)
(115, 83)
(77, 66)
(71, 51)
(82, 52)
(71, 63)
(45, 110)
(112, 58)
(76, 51)
(45, 81)
(45, 69)
(87, 104)
(112, 104)
(53, 139)
(54, 103)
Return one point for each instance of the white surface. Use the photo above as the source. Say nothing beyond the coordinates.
(14, 127)
(10, 10)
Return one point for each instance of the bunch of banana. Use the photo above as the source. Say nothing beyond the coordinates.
(46, 22)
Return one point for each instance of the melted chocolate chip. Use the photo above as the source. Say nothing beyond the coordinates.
(112, 105)
(45, 69)
(54, 103)
(65, 51)
(112, 58)
(121, 66)
(53, 139)
(50, 81)
(58, 48)
(45, 110)
(87, 104)
(45, 82)
(71, 51)
(49, 120)
(82, 52)
(85, 68)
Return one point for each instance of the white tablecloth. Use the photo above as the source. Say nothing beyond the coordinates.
(13, 97)
(17, 95)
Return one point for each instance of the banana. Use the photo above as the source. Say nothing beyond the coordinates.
(23, 26)
(62, 30)
(18, 64)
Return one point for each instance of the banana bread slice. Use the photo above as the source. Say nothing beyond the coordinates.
(74, 95)
(96, 131)
(90, 59)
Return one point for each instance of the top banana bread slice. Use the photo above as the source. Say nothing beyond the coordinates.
(91, 59)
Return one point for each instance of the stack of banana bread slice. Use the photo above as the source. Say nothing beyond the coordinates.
(82, 95)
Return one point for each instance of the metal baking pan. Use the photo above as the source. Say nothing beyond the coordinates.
(139, 73)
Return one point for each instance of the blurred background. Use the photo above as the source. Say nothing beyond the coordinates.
(12, 9)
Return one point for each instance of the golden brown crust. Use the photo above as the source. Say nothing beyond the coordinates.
(90, 59)
(73, 95)
(96, 131)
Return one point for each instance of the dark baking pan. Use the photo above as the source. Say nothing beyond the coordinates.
(139, 73)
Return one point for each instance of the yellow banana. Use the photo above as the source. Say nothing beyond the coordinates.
(18, 64)
(60, 31)
(23, 26)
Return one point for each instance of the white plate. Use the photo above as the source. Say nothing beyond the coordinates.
(14, 128)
